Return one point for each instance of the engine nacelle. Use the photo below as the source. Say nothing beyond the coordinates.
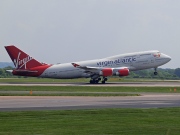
(106, 72)
(123, 72)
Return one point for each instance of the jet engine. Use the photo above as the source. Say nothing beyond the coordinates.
(122, 72)
(106, 72)
(109, 72)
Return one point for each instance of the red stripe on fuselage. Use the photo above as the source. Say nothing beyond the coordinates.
(33, 72)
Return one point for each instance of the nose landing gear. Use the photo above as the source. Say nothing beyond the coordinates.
(155, 71)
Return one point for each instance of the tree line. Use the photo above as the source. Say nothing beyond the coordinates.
(173, 74)
(166, 74)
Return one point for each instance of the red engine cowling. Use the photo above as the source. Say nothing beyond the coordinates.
(106, 72)
(123, 72)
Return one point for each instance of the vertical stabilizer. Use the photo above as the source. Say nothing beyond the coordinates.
(20, 59)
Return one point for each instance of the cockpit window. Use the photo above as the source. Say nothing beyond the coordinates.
(157, 55)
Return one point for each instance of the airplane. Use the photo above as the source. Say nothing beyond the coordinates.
(98, 70)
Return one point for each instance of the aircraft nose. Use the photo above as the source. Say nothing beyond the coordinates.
(168, 58)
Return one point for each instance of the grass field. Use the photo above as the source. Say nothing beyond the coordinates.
(83, 80)
(90, 89)
(159, 121)
(92, 122)
(81, 90)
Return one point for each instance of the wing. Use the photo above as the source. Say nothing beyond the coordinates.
(92, 70)
(104, 71)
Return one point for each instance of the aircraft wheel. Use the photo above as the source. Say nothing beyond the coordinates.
(103, 82)
(155, 73)
(91, 81)
(97, 81)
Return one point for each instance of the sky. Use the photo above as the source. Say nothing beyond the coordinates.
(61, 31)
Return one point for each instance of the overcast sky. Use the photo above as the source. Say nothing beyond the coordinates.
(60, 31)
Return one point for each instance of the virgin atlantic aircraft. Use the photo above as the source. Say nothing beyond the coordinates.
(97, 70)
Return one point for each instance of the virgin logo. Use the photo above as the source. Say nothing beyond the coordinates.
(19, 63)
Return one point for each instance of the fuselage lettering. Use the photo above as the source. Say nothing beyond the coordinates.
(117, 61)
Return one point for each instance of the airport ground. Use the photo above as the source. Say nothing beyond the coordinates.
(156, 121)
(138, 107)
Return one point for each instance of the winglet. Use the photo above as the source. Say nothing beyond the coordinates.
(75, 65)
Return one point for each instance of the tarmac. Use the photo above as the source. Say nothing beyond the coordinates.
(146, 100)
(32, 103)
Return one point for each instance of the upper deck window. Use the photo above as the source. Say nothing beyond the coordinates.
(130, 56)
(145, 54)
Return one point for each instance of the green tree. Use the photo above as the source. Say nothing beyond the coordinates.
(177, 72)
(4, 73)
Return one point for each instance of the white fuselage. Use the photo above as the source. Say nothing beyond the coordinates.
(133, 61)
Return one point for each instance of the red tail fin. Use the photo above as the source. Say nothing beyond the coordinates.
(20, 59)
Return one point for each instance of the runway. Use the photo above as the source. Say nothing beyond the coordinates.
(135, 84)
(27, 103)
(146, 100)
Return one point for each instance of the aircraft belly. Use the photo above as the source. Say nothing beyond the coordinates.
(142, 64)
(68, 75)
(62, 73)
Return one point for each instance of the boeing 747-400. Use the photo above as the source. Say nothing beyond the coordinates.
(97, 70)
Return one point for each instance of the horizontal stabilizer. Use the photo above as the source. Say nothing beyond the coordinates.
(9, 71)
(25, 71)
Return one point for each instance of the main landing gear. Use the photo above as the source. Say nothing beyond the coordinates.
(96, 81)
(104, 80)
(155, 71)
